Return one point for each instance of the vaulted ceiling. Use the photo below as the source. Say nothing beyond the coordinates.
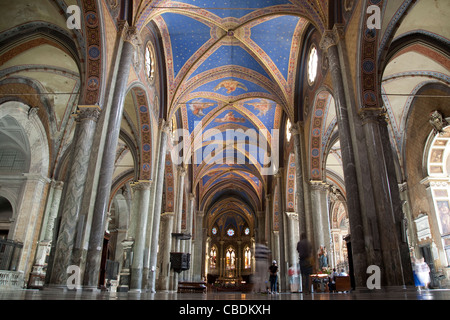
(231, 67)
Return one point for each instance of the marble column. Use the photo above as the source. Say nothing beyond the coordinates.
(267, 221)
(198, 247)
(176, 242)
(322, 230)
(157, 208)
(189, 230)
(46, 236)
(165, 245)
(52, 212)
(179, 205)
(260, 226)
(94, 252)
(148, 237)
(86, 118)
(329, 44)
(125, 272)
(300, 203)
(143, 188)
(293, 238)
(391, 264)
(396, 201)
(283, 278)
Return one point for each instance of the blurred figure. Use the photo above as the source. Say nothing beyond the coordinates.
(262, 254)
(304, 249)
(422, 271)
(332, 280)
(293, 281)
(343, 273)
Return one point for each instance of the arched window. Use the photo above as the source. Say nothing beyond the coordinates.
(213, 257)
(149, 61)
(313, 62)
(230, 259)
(247, 258)
(288, 130)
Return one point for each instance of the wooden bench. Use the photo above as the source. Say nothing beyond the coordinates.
(343, 283)
(191, 287)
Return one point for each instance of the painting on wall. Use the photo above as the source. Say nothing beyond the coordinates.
(443, 209)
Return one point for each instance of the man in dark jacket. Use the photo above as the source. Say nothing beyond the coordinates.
(304, 249)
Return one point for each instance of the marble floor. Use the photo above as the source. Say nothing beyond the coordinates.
(53, 294)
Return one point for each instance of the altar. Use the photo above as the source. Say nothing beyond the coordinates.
(319, 282)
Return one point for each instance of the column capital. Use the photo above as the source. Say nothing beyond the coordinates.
(167, 215)
(295, 129)
(57, 184)
(331, 37)
(164, 126)
(200, 213)
(319, 185)
(292, 215)
(192, 196)
(141, 184)
(181, 170)
(87, 113)
(129, 33)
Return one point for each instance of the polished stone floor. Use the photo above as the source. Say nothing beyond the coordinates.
(48, 294)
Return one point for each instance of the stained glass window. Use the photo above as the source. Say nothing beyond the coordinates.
(230, 258)
(213, 258)
(247, 258)
(230, 232)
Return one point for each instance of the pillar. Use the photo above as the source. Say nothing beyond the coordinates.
(164, 247)
(329, 44)
(198, 247)
(261, 226)
(179, 205)
(86, 120)
(189, 230)
(385, 205)
(157, 207)
(300, 203)
(176, 242)
(293, 237)
(125, 272)
(46, 236)
(143, 188)
(94, 252)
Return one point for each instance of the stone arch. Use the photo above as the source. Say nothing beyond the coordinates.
(30, 186)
